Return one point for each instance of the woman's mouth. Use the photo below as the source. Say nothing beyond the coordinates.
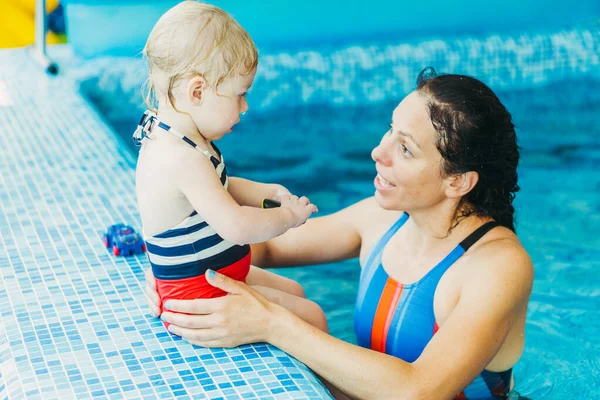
(382, 184)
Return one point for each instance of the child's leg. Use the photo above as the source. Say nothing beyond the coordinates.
(289, 294)
(308, 310)
(261, 277)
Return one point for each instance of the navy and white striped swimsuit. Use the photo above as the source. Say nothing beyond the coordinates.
(186, 251)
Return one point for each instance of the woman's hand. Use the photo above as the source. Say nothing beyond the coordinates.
(243, 316)
(151, 294)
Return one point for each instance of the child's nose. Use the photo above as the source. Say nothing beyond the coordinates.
(244, 107)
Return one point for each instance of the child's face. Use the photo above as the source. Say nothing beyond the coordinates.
(219, 111)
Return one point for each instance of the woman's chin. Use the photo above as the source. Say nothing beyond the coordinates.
(385, 201)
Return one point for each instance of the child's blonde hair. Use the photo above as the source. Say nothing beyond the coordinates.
(195, 38)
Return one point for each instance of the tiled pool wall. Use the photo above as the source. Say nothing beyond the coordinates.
(73, 318)
(365, 73)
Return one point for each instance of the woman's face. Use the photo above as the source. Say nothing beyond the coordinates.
(407, 161)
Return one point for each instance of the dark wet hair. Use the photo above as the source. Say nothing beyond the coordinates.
(475, 133)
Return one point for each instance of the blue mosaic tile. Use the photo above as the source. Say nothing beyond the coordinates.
(73, 321)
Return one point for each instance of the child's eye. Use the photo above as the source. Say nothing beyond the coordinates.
(242, 95)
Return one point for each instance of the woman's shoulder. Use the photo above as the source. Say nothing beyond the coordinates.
(501, 258)
(500, 243)
(369, 218)
(369, 208)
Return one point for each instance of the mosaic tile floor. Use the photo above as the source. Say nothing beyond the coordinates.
(73, 321)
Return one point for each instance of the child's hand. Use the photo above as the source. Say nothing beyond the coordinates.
(301, 208)
(280, 192)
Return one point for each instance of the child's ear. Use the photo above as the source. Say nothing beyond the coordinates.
(194, 89)
(460, 185)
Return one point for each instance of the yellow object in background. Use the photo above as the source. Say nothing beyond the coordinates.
(29, 5)
(17, 23)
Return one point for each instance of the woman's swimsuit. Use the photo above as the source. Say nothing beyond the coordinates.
(181, 255)
(398, 319)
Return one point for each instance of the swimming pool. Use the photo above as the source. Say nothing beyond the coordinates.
(320, 109)
(323, 151)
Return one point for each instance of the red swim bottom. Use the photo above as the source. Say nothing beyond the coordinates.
(197, 287)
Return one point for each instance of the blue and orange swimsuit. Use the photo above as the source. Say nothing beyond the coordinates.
(181, 255)
(398, 319)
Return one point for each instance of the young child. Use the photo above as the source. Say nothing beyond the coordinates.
(194, 216)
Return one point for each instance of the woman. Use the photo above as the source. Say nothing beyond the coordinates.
(426, 329)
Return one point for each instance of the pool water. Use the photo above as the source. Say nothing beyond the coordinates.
(324, 153)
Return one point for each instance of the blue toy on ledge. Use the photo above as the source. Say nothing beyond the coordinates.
(123, 240)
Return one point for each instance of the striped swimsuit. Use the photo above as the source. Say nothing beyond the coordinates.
(181, 255)
(398, 319)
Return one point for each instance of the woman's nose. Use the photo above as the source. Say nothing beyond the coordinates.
(380, 153)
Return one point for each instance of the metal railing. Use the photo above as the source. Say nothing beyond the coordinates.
(39, 46)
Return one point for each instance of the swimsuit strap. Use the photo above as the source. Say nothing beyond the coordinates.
(149, 119)
(374, 257)
(478, 234)
(439, 270)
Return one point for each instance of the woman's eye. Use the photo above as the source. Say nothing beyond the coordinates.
(406, 151)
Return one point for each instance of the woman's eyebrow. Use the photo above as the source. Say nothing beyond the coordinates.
(408, 135)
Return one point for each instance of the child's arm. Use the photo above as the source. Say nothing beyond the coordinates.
(195, 177)
(251, 193)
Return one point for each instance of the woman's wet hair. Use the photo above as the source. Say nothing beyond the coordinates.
(475, 133)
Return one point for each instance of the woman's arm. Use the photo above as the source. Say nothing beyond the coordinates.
(320, 240)
(490, 303)
(465, 344)
(468, 340)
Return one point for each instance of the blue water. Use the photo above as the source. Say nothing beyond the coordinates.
(324, 153)
(285, 24)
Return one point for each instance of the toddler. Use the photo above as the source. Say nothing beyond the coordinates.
(195, 217)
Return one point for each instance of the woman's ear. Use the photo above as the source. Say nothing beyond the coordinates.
(195, 87)
(460, 185)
